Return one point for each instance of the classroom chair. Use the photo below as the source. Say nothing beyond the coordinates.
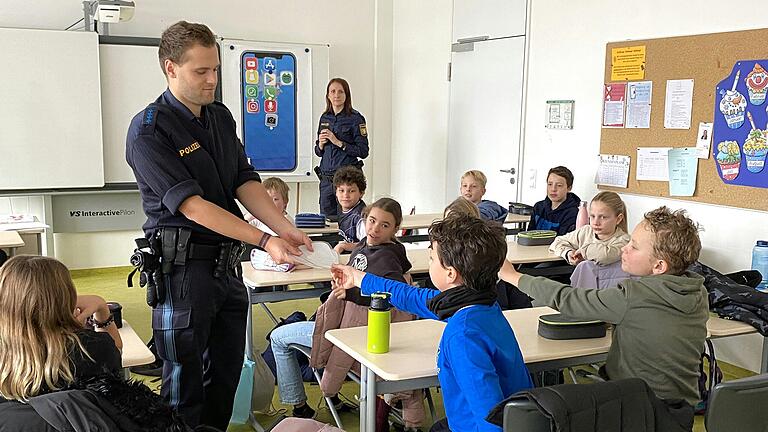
(524, 415)
(739, 405)
(306, 351)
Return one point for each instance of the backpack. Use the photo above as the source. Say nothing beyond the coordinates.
(269, 356)
(707, 379)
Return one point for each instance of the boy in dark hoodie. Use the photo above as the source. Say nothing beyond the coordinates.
(349, 182)
(558, 211)
(660, 319)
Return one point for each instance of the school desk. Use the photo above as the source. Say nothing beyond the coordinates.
(411, 362)
(10, 240)
(135, 351)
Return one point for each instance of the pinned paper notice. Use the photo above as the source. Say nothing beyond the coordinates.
(613, 104)
(639, 104)
(678, 104)
(652, 163)
(683, 165)
(703, 140)
(613, 170)
(628, 63)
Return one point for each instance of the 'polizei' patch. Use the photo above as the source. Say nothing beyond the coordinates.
(363, 130)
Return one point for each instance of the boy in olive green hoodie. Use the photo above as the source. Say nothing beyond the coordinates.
(660, 319)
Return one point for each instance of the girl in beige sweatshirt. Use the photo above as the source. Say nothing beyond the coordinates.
(600, 241)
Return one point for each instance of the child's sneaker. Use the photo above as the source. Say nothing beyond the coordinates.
(304, 411)
(340, 405)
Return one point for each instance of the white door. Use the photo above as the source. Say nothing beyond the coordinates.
(484, 120)
(488, 19)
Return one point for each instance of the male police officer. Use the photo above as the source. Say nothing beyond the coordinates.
(190, 167)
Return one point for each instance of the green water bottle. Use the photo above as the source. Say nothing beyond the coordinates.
(379, 318)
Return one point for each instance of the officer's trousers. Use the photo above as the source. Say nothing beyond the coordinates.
(328, 204)
(200, 334)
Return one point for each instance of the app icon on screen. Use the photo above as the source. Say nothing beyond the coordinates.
(252, 106)
(270, 120)
(251, 91)
(269, 64)
(270, 92)
(251, 63)
(270, 79)
(270, 106)
(252, 76)
(286, 78)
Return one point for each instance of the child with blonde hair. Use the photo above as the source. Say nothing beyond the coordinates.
(473, 188)
(463, 206)
(44, 340)
(602, 239)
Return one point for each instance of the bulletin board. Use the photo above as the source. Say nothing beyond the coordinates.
(708, 60)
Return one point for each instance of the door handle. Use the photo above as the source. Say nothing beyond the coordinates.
(510, 171)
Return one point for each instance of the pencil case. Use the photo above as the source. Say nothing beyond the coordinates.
(536, 237)
(560, 327)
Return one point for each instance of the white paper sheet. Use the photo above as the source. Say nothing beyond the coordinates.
(639, 95)
(613, 170)
(704, 140)
(678, 103)
(652, 163)
(323, 256)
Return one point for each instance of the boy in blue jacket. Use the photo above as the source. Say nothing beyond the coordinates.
(558, 211)
(473, 188)
(479, 361)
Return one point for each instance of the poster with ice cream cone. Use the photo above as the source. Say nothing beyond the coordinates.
(740, 125)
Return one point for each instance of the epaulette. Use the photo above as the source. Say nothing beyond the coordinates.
(149, 121)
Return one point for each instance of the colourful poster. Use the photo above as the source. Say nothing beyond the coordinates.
(739, 141)
(614, 95)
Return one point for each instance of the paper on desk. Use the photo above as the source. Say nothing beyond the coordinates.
(683, 165)
(652, 163)
(323, 256)
(20, 226)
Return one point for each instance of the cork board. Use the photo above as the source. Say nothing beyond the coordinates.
(707, 59)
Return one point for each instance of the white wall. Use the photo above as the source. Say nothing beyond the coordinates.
(422, 50)
(350, 27)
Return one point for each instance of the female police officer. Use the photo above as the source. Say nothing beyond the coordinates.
(190, 167)
(342, 139)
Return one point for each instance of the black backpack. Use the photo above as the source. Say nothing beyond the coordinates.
(708, 379)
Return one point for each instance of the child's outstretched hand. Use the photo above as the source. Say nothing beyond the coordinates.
(344, 278)
(575, 257)
(507, 273)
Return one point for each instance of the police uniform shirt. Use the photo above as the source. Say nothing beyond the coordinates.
(388, 260)
(176, 158)
(351, 130)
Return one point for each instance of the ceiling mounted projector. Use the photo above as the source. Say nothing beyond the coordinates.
(112, 11)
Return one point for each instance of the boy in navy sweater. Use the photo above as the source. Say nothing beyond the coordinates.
(473, 188)
(479, 361)
(349, 182)
(558, 211)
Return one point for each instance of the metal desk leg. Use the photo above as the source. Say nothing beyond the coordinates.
(269, 313)
(764, 361)
(370, 421)
(363, 396)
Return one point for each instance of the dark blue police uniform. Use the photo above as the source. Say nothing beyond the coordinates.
(199, 325)
(350, 128)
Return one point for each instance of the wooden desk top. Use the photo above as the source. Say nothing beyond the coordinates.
(10, 239)
(419, 259)
(135, 351)
(413, 344)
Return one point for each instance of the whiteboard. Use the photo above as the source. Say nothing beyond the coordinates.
(311, 78)
(50, 118)
(131, 79)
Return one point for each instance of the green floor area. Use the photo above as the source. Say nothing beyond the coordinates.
(110, 283)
